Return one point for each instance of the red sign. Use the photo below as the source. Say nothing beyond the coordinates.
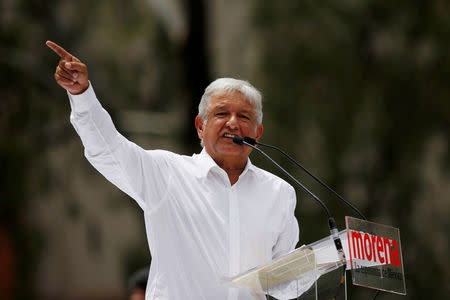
(374, 249)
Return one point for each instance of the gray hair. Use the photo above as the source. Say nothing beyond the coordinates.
(229, 85)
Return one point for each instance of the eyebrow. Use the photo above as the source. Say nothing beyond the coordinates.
(224, 107)
(246, 112)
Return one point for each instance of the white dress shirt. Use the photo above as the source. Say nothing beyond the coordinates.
(200, 228)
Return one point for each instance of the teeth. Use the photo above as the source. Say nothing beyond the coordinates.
(228, 135)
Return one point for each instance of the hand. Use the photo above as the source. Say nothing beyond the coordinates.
(71, 74)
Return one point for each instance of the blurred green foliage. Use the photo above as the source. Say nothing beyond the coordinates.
(359, 90)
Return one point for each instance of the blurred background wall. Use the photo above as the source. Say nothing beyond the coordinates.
(356, 90)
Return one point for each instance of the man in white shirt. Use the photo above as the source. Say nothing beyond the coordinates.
(208, 216)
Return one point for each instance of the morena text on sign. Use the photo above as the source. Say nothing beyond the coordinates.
(374, 248)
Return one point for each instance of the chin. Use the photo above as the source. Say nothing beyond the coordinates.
(233, 152)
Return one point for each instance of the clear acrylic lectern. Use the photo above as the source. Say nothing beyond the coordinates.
(372, 251)
(314, 271)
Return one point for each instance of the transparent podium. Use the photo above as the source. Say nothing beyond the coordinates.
(316, 271)
(313, 271)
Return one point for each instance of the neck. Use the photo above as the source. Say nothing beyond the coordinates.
(233, 168)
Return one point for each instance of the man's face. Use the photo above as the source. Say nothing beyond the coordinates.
(228, 113)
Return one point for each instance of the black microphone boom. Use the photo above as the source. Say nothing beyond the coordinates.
(241, 141)
(331, 222)
(349, 204)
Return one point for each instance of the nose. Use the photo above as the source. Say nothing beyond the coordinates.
(232, 122)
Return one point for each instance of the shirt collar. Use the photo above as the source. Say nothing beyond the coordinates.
(206, 164)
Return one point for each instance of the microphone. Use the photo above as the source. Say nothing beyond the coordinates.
(254, 142)
(331, 222)
(240, 140)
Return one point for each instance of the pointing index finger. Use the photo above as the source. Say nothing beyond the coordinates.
(59, 50)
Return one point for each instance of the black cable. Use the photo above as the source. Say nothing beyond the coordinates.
(341, 283)
(376, 294)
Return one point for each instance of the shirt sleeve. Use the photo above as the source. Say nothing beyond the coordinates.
(135, 171)
(289, 236)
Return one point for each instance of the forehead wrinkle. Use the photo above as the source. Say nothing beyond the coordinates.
(223, 103)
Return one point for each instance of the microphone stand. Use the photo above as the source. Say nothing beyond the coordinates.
(248, 141)
(331, 222)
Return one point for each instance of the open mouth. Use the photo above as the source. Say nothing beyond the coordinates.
(228, 135)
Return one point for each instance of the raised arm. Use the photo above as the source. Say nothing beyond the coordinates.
(71, 74)
(135, 171)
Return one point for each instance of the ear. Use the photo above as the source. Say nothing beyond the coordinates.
(259, 132)
(199, 126)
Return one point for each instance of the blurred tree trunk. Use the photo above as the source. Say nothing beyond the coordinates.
(195, 63)
(8, 276)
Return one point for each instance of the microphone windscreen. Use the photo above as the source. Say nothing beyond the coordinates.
(250, 140)
(238, 140)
